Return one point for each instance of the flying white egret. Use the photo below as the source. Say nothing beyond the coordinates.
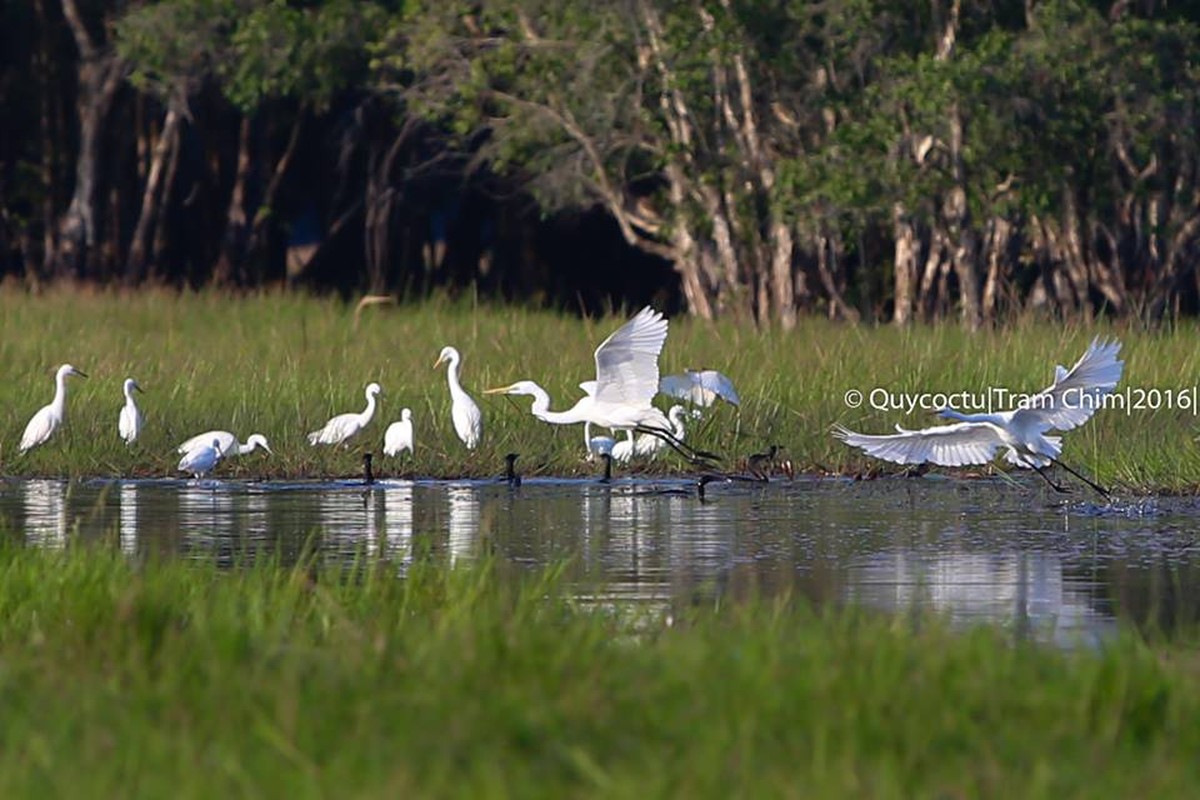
(201, 460)
(626, 382)
(700, 387)
(467, 418)
(48, 418)
(343, 427)
(399, 435)
(1066, 404)
(227, 443)
(646, 445)
(130, 422)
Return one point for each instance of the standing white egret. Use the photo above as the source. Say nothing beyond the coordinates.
(1067, 403)
(130, 422)
(646, 445)
(227, 443)
(467, 418)
(399, 435)
(626, 382)
(48, 418)
(700, 387)
(201, 460)
(343, 427)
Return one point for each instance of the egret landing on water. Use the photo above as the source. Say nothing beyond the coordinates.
(626, 382)
(700, 387)
(344, 427)
(47, 420)
(399, 435)
(464, 413)
(130, 422)
(227, 443)
(201, 459)
(1066, 404)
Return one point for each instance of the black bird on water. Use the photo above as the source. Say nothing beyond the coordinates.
(510, 470)
(760, 464)
(607, 458)
(368, 475)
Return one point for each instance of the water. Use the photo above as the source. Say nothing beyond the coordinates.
(1060, 569)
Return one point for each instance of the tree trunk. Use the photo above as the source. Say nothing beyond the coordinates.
(904, 264)
(152, 197)
(100, 75)
(231, 263)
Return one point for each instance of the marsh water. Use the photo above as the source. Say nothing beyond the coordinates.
(1062, 568)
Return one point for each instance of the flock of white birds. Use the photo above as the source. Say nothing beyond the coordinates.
(620, 398)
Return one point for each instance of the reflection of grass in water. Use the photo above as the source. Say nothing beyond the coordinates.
(282, 364)
(179, 680)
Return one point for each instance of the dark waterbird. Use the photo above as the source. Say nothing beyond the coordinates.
(368, 475)
(510, 469)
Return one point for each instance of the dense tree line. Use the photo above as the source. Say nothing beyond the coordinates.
(758, 158)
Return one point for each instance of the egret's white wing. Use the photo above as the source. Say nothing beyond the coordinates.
(226, 439)
(627, 361)
(40, 428)
(1076, 393)
(947, 445)
(398, 438)
(337, 430)
(200, 460)
(129, 424)
(700, 386)
(468, 421)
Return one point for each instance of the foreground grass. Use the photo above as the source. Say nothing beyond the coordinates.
(183, 681)
(282, 364)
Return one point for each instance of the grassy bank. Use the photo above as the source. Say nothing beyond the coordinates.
(183, 681)
(281, 365)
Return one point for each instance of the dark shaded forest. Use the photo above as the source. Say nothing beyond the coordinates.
(867, 159)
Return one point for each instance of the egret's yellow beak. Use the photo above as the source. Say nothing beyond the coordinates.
(498, 390)
(438, 363)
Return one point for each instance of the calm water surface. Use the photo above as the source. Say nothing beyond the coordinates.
(1063, 570)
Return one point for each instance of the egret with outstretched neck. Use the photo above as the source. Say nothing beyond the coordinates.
(1066, 404)
(50, 417)
(227, 443)
(464, 413)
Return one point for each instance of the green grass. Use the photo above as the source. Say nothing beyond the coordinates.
(184, 681)
(281, 364)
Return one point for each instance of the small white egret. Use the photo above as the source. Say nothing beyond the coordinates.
(343, 427)
(647, 446)
(399, 435)
(227, 443)
(626, 382)
(467, 418)
(201, 460)
(1067, 403)
(48, 418)
(130, 422)
(600, 446)
(700, 387)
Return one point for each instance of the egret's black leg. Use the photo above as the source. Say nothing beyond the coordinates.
(1053, 485)
(1104, 493)
(698, 457)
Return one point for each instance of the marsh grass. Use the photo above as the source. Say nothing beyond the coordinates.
(281, 364)
(180, 680)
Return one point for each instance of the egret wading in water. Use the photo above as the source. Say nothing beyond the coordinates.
(49, 418)
(626, 382)
(467, 418)
(399, 435)
(201, 459)
(130, 421)
(344, 427)
(227, 443)
(1067, 403)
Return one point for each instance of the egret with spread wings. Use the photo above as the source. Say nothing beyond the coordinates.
(1066, 404)
(626, 382)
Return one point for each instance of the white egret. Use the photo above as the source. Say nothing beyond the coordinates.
(975, 438)
(646, 445)
(700, 387)
(626, 382)
(201, 459)
(467, 418)
(227, 443)
(399, 435)
(599, 446)
(344, 427)
(130, 422)
(48, 418)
